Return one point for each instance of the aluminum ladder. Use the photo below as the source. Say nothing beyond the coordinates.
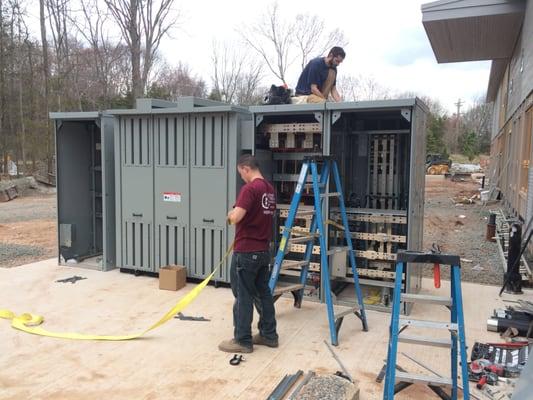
(456, 327)
(316, 231)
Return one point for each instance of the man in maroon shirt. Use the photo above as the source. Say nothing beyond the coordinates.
(253, 213)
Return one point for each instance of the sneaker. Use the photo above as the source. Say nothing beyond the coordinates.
(232, 346)
(260, 340)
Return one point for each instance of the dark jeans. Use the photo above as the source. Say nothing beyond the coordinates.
(249, 283)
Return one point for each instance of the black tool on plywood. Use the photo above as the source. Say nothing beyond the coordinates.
(72, 279)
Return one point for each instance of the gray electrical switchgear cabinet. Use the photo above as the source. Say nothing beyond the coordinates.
(380, 149)
(151, 186)
(85, 176)
(176, 179)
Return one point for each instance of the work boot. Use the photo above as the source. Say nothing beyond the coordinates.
(260, 340)
(232, 346)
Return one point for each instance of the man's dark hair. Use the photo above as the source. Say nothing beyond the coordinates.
(247, 160)
(337, 51)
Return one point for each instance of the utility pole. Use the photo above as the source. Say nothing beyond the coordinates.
(458, 105)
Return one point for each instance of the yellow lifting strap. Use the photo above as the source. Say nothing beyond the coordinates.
(29, 323)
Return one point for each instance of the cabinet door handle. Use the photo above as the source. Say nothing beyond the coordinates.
(209, 220)
(169, 217)
(137, 215)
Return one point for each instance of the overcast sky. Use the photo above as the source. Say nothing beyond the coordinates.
(386, 41)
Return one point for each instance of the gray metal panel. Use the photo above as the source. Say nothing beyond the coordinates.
(247, 135)
(171, 189)
(287, 108)
(72, 116)
(415, 216)
(137, 193)
(209, 136)
(374, 105)
(118, 192)
(108, 192)
(149, 104)
(74, 197)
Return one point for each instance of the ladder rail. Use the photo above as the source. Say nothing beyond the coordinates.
(324, 268)
(351, 255)
(393, 335)
(309, 246)
(458, 300)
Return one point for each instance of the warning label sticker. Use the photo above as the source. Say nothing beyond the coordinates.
(173, 197)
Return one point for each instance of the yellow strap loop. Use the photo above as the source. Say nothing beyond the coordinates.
(29, 323)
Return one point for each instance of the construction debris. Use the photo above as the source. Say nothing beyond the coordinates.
(8, 194)
(284, 386)
(329, 387)
(344, 370)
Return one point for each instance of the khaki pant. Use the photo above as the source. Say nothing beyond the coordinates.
(326, 89)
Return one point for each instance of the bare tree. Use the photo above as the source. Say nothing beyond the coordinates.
(143, 24)
(359, 88)
(236, 77)
(93, 27)
(272, 39)
(179, 81)
(248, 90)
(227, 67)
(46, 80)
(23, 35)
(59, 17)
(311, 38)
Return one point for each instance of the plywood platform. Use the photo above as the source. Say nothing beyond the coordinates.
(180, 360)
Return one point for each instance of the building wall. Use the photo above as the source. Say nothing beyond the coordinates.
(511, 148)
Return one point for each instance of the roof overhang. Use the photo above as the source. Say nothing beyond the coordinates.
(473, 30)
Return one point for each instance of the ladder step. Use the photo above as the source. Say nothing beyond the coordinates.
(332, 194)
(280, 288)
(293, 264)
(424, 341)
(429, 324)
(301, 239)
(423, 298)
(350, 310)
(428, 380)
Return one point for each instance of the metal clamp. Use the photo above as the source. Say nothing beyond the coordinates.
(236, 360)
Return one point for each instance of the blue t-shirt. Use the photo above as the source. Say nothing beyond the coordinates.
(315, 72)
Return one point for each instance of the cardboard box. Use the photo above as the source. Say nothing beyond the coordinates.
(172, 277)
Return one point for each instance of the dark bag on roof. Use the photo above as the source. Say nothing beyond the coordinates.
(278, 95)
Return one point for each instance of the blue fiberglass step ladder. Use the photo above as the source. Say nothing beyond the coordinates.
(316, 231)
(456, 327)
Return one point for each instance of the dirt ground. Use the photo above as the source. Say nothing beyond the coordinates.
(460, 229)
(28, 229)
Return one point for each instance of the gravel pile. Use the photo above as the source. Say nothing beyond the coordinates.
(328, 387)
(10, 251)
